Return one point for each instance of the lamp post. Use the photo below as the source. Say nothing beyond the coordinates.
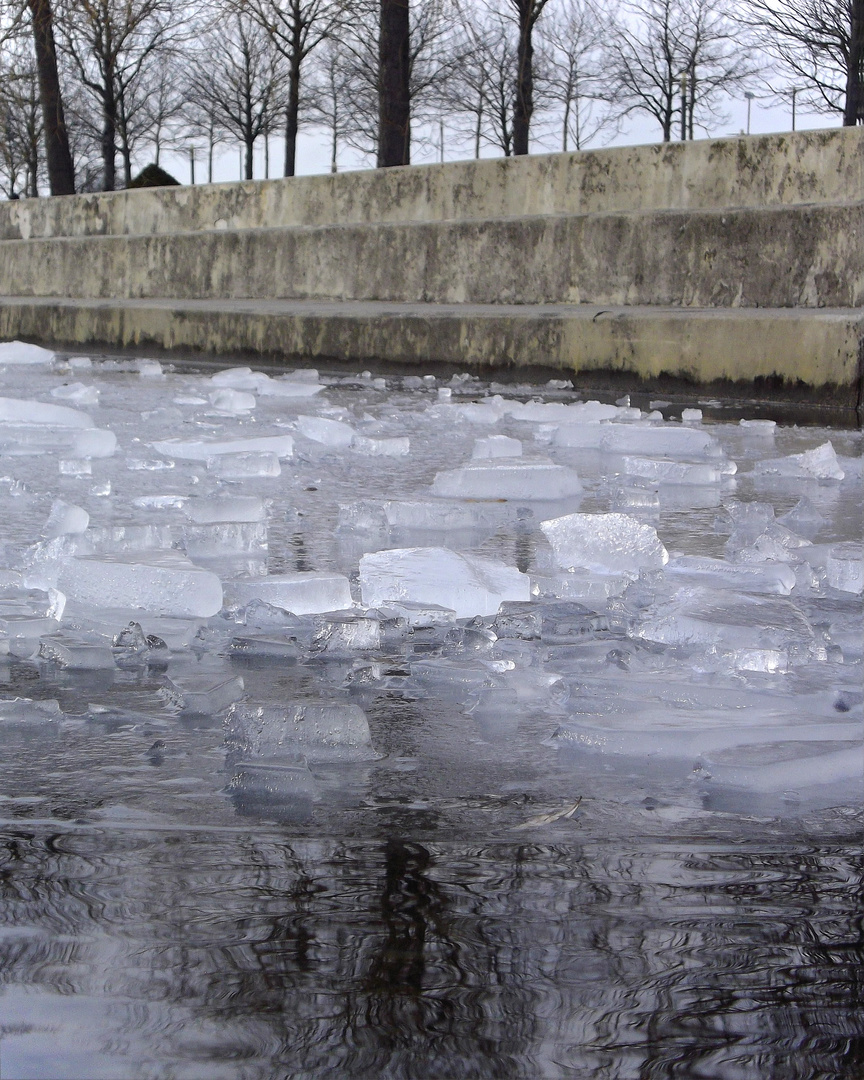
(794, 95)
(749, 95)
(192, 164)
(683, 106)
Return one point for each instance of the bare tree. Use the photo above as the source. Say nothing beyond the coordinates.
(676, 58)
(572, 40)
(331, 101)
(20, 126)
(111, 44)
(819, 46)
(481, 90)
(236, 80)
(296, 28)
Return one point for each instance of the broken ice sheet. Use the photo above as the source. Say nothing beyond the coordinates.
(322, 731)
(605, 543)
(467, 584)
(506, 479)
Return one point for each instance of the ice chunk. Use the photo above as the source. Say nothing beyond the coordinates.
(716, 574)
(417, 514)
(319, 429)
(605, 543)
(467, 584)
(76, 654)
(659, 471)
(150, 369)
(163, 583)
(526, 481)
(845, 567)
(803, 518)
(204, 693)
(93, 443)
(700, 616)
(75, 467)
(784, 766)
(232, 401)
(223, 538)
(199, 450)
(18, 411)
(19, 352)
(764, 428)
(65, 518)
(285, 792)
(343, 633)
(419, 616)
(666, 440)
(24, 709)
(76, 392)
(398, 447)
(244, 466)
(303, 593)
(329, 731)
(205, 511)
(497, 446)
(691, 416)
(554, 412)
(240, 378)
(820, 463)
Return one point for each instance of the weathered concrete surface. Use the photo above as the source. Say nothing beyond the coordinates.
(712, 261)
(791, 256)
(751, 171)
(784, 348)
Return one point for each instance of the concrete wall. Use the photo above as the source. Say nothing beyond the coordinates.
(750, 171)
(791, 256)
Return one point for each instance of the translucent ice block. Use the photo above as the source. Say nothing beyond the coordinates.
(467, 584)
(605, 543)
(199, 450)
(525, 480)
(320, 731)
(19, 352)
(303, 593)
(497, 446)
(205, 511)
(319, 429)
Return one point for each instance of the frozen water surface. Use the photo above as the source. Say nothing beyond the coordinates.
(423, 728)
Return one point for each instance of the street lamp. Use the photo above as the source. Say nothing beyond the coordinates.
(794, 95)
(749, 95)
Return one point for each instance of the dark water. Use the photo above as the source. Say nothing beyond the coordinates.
(129, 952)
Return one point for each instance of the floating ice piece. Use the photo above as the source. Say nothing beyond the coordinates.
(205, 511)
(240, 378)
(161, 582)
(327, 731)
(777, 579)
(397, 447)
(223, 538)
(199, 450)
(417, 514)
(66, 518)
(803, 518)
(286, 388)
(343, 633)
(497, 446)
(554, 412)
(77, 392)
(673, 472)
(700, 616)
(244, 466)
(19, 709)
(781, 766)
(71, 652)
(525, 480)
(820, 463)
(232, 401)
(19, 352)
(691, 416)
(605, 543)
(319, 429)
(765, 428)
(303, 593)
(18, 411)
(419, 616)
(467, 584)
(204, 693)
(150, 369)
(651, 440)
(845, 567)
(93, 443)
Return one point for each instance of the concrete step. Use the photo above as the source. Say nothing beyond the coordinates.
(812, 256)
(815, 355)
(749, 171)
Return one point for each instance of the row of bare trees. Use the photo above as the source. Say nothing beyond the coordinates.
(85, 84)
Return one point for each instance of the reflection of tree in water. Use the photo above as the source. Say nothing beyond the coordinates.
(425, 960)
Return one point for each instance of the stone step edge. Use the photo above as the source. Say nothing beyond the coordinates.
(787, 351)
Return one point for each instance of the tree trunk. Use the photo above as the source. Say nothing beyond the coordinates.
(853, 112)
(394, 91)
(292, 115)
(109, 139)
(61, 172)
(248, 165)
(524, 104)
